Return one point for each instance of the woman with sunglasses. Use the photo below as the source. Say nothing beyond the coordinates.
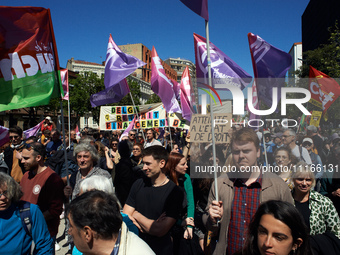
(136, 158)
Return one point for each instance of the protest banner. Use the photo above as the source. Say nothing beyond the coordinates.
(29, 69)
(200, 128)
(151, 116)
(315, 118)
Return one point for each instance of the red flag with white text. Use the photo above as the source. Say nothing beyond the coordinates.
(324, 90)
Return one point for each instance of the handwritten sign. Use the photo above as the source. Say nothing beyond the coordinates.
(200, 127)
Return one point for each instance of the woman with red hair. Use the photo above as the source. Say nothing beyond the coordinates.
(176, 168)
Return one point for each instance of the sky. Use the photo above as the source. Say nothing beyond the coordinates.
(82, 28)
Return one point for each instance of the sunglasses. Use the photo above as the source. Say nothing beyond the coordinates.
(29, 147)
(14, 137)
(132, 135)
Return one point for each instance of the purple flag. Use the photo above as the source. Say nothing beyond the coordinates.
(130, 127)
(4, 135)
(118, 65)
(270, 65)
(186, 95)
(223, 69)
(33, 131)
(161, 85)
(177, 89)
(199, 7)
(110, 95)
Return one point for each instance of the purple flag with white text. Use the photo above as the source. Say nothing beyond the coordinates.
(110, 95)
(270, 66)
(223, 69)
(199, 7)
(161, 85)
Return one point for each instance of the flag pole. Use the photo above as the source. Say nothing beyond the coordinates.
(69, 119)
(64, 143)
(211, 108)
(168, 119)
(133, 102)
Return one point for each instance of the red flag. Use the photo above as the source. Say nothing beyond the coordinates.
(324, 90)
(64, 81)
(29, 69)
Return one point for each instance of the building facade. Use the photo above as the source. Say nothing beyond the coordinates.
(81, 66)
(179, 64)
(141, 52)
(296, 53)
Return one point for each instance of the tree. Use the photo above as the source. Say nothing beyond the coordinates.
(84, 86)
(326, 59)
(153, 99)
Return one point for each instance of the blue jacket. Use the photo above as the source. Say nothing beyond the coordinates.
(15, 240)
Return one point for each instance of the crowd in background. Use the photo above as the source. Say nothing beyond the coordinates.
(183, 208)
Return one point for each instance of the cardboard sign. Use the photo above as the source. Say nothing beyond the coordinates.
(315, 118)
(200, 127)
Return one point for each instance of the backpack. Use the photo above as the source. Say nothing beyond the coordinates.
(26, 220)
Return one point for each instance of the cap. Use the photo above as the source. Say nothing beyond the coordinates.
(307, 139)
(277, 135)
(48, 118)
(334, 136)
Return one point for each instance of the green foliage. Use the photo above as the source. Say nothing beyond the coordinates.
(153, 99)
(84, 86)
(326, 59)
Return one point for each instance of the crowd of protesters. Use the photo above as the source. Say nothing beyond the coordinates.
(135, 192)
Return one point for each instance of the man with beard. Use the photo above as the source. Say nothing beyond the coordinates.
(42, 186)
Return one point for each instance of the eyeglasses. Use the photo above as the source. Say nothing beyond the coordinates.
(281, 157)
(4, 193)
(14, 137)
(114, 144)
(306, 144)
(136, 149)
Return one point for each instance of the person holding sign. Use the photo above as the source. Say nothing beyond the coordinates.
(241, 191)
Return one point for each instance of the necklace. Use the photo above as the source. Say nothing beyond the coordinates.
(154, 185)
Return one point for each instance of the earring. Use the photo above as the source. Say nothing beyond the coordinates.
(294, 251)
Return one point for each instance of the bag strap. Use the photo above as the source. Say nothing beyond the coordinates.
(26, 217)
(26, 220)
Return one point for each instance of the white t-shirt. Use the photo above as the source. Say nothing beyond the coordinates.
(154, 142)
